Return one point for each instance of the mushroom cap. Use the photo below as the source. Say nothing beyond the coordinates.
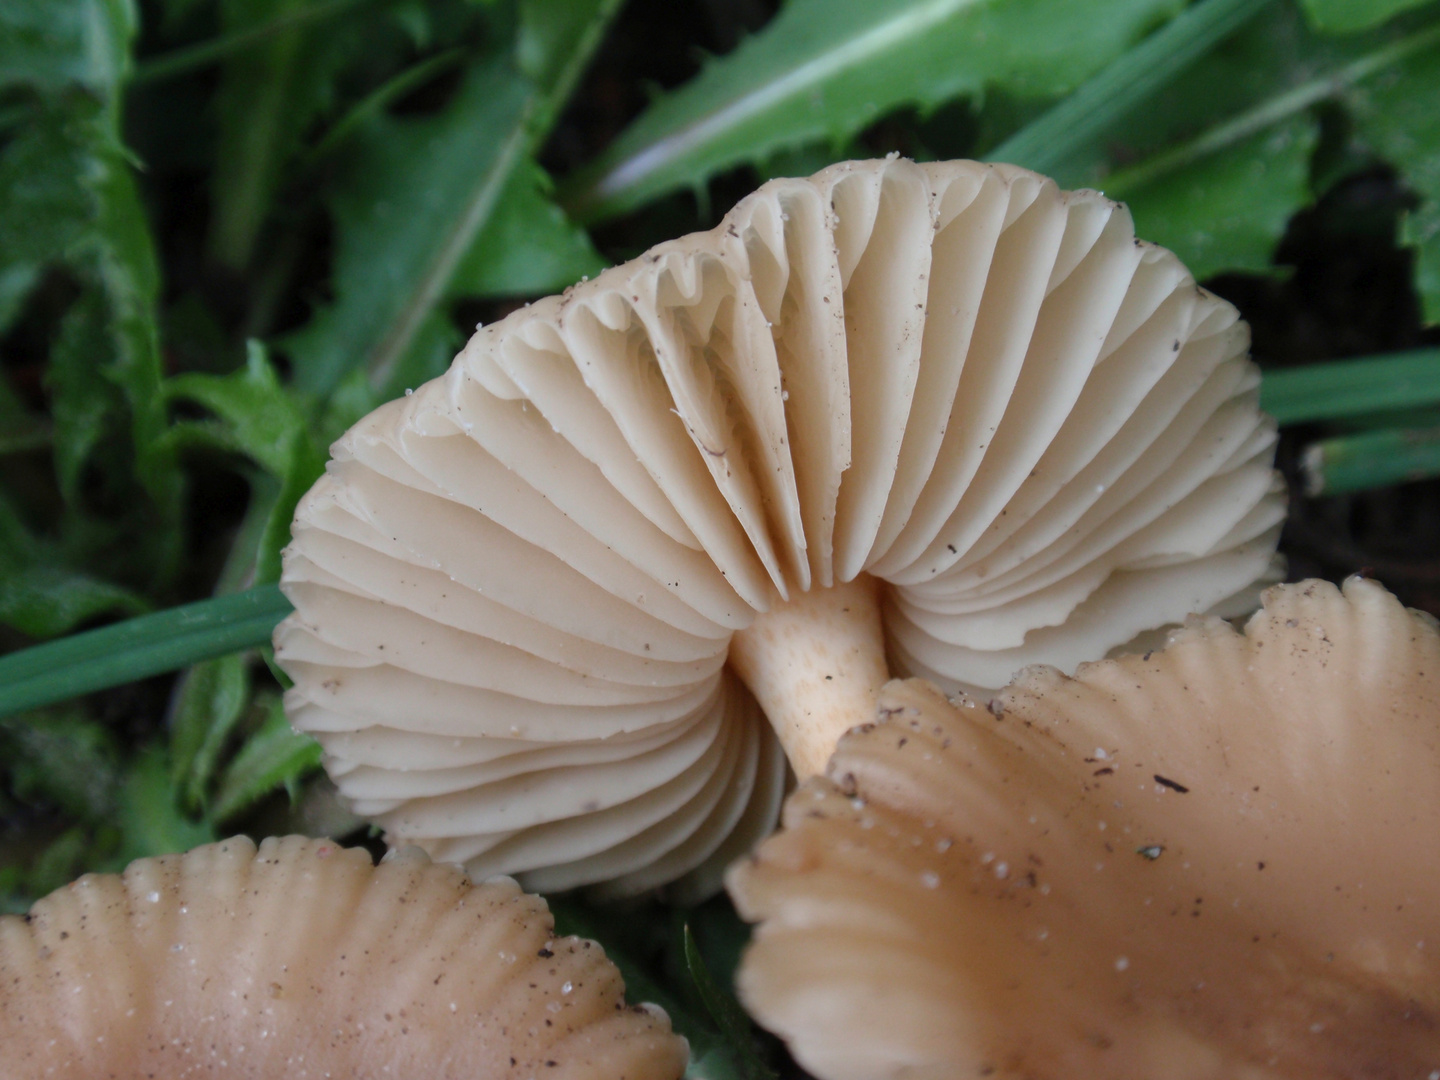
(1215, 860)
(301, 959)
(515, 588)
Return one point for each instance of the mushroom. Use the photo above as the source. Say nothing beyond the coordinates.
(1215, 860)
(546, 604)
(300, 959)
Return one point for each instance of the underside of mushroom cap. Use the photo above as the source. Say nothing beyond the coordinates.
(1215, 860)
(516, 589)
(302, 960)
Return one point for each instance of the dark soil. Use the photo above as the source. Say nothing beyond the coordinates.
(1344, 291)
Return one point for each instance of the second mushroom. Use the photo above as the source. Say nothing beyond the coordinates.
(1208, 862)
(946, 414)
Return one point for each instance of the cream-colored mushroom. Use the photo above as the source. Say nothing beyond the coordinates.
(302, 960)
(1217, 860)
(944, 410)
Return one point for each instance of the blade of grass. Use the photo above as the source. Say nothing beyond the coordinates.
(726, 1013)
(1347, 388)
(1097, 104)
(204, 53)
(138, 648)
(710, 1058)
(1269, 112)
(1370, 460)
(1426, 417)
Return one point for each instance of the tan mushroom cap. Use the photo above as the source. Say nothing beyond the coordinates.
(1217, 860)
(302, 960)
(947, 411)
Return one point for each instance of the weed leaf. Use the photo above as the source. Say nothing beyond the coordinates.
(827, 68)
(1399, 115)
(1346, 16)
(426, 202)
(274, 756)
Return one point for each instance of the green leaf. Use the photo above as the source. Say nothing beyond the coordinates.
(720, 935)
(352, 399)
(45, 210)
(726, 1013)
(251, 547)
(149, 815)
(259, 418)
(1271, 55)
(1229, 210)
(203, 54)
(16, 281)
(551, 31)
(710, 1055)
(555, 42)
(413, 203)
(47, 601)
(379, 99)
(528, 247)
(827, 68)
(67, 197)
(59, 860)
(269, 95)
(267, 654)
(258, 415)
(1125, 86)
(84, 408)
(121, 257)
(1398, 113)
(67, 857)
(414, 206)
(41, 597)
(275, 756)
(1421, 231)
(62, 757)
(52, 44)
(209, 701)
(414, 195)
(1347, 16)
(1218, 205)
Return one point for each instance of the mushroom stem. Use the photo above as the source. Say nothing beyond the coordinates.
(815, 664)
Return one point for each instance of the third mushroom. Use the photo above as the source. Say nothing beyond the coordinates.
(1215, 860)
(942, 420)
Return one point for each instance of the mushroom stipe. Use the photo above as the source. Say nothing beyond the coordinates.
(565, 611)
(966, 894)
(300, 959)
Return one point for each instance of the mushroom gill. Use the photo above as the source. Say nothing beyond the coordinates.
(945, 411)
(302, 960)
(1214, 860)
